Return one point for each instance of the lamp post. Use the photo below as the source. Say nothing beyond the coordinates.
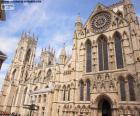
(31, 107)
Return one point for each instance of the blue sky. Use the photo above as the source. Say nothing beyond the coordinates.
(52, 21)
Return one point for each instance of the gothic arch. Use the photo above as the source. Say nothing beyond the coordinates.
(69, 92)
(72, 85)
(48, 75)
(28, 55)
(81, 89)
(88, 86)
(122, 88)
(125, 35)
(103, 96)
(14, 74)
(103, 52)
(88, 46)
(104, 105)
(118, 49)
(64, 93)
(131, 86)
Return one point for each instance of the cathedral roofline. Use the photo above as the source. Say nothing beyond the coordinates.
(116, 4)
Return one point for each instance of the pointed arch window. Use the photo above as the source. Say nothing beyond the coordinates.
(64, 94)
(88, 90)
(14, 75)
(122, 89)
(103, 53)
(81, 90)
(48, 76)
(28, 54)
(131, 88)
(68, 94)
(118, 50)
(88, 56)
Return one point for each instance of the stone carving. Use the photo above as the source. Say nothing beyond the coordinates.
(101, 21)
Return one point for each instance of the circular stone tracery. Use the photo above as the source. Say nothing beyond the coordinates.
(101, 21)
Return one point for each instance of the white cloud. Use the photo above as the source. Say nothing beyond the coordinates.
(33, 17)
(8, 44)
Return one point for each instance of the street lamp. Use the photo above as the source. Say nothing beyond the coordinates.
(31, 107)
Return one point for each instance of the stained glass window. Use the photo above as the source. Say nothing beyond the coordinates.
(88, 90)
(118, 50)
(103, 53)
(131, 88)
(81, 90)
(122, 89)
(88, 56)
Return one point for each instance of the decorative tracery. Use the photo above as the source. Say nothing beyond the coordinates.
(118, 50)
(103, 53)
(101, 21)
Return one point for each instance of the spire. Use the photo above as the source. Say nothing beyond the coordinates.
(78, 24)
(63, 51)
(78, 20)
(63, 56)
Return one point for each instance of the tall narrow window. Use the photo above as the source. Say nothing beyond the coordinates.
(64, 94)
(103, 53)
(122, 89)
(88, 90)
(14, 75)
(68, 94)
(131, 88)
(27, 58)
(88, 56)
(81, 90)
(118, 50)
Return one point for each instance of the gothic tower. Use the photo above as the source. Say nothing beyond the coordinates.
(21, 64)
(47, 57)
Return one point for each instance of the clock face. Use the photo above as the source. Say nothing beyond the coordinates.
(101, 21)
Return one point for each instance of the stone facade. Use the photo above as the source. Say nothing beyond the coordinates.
(101, 78)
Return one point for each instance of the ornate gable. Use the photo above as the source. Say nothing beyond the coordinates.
(104, 19)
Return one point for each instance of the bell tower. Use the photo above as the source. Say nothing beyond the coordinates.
(130, 12)
(24, 57)
(47, 57)
(25, 52)
(21, 64)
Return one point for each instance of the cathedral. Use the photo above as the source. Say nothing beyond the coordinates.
(100, 78)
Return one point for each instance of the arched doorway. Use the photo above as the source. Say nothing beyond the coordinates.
(105, 108)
